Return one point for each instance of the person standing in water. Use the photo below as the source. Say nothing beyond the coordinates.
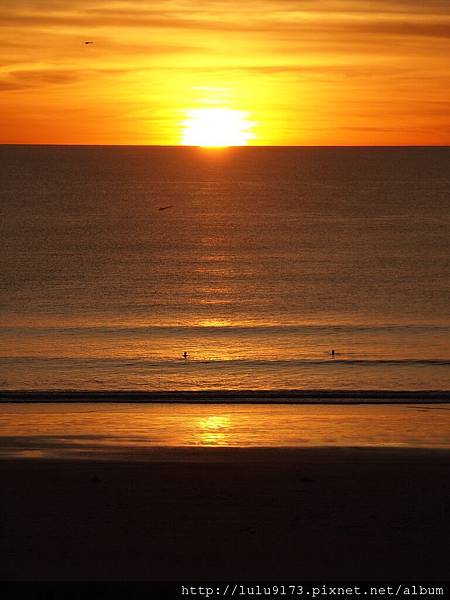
(333, 354)
(185, 355)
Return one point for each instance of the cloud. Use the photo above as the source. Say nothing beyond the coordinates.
(26, 78)
(20, 80)
(265, 17)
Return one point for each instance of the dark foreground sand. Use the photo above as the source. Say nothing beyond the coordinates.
(228, 514)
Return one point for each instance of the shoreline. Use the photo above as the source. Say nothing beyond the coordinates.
(230, 396)
(242, 455)
(129, 430)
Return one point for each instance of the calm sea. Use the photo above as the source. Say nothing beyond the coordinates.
(256, 261)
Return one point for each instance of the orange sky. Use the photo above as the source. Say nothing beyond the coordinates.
(314, 72)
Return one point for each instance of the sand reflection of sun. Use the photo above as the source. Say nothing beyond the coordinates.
(212, 431)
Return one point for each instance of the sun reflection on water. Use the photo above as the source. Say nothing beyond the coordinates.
(55, 430)
(213, 430)
(215, 323)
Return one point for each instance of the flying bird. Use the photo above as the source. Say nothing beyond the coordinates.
(165, 207)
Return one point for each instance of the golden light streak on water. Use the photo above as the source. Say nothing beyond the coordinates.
(74, 430)
(213, 430)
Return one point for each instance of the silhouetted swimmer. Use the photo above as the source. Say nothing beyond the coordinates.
(185, 355)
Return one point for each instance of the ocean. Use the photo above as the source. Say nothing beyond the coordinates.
(257, 262)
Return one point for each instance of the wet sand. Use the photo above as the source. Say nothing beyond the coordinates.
(228, 514)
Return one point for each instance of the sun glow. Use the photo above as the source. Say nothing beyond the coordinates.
(213, 430)
(216, 127)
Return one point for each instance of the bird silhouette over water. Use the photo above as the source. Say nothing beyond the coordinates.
(165, 207)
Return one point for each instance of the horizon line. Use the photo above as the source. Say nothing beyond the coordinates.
(219, 148)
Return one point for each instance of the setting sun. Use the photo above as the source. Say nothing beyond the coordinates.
(216, 127)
